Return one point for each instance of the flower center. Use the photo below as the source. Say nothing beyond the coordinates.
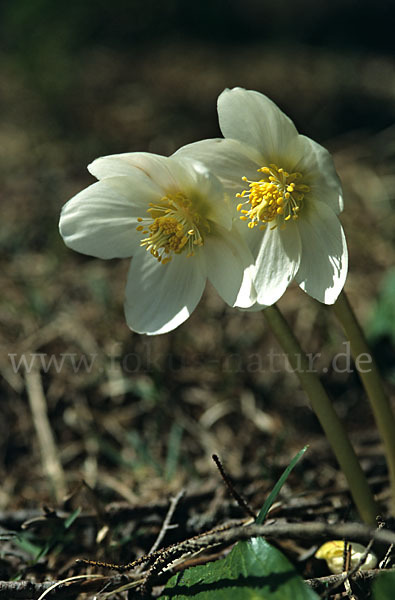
(277, 196)
(173, 226)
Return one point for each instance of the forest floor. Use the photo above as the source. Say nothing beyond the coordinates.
(103, 430)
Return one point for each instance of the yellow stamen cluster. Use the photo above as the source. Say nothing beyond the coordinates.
(277, 196)
(174, 225)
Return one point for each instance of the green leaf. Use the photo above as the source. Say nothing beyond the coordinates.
(70, 520)
(253, 570)
(276, 490)
(384, 587)
(28, 546)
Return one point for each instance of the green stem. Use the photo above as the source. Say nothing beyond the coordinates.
(330, 422)
(369, 374)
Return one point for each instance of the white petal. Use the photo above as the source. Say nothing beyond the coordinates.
(161, 297)
(136, 189)
(246, 298)
(228, 159)
(317, 166)
(111, 166)
(252, 118)
(154, 167)
(101, 222)
(203, 188)
(227, 260)
(323, 267)
(169, 175)
(277, 263)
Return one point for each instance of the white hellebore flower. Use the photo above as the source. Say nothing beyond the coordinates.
(171, 215)
(288, 195)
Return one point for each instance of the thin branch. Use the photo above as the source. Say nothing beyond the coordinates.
(114, 513)
(320, 584)
(385, 561)
(311, 531)
(166, 523)
(26, 590)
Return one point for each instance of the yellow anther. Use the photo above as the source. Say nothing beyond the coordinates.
(275, 197)
(174, 224)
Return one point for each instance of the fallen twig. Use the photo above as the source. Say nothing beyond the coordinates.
(49, 454)
(29, 590)
(320, 584)
(161, 560)
(166, 523)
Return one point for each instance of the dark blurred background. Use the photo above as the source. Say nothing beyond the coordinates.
(83, 79)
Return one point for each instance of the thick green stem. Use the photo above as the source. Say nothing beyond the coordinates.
(369, 374)
(330, 422)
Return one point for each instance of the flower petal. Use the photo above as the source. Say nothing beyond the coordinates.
(161, 297)
(323, 268)
(277, 263)
(250, 117)
(100, 221)
(152, 166)
(201, 186)
(316, 164)
(228, 259)
(246, 297)
(168, 175)
(228, 159)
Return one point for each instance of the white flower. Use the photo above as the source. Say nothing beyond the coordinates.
(288, 194)
(333, 553)
(171, 215)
